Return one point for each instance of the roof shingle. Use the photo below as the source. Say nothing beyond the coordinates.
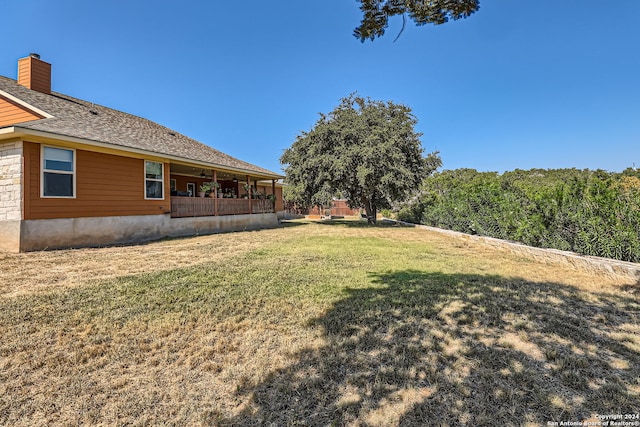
(81, 119)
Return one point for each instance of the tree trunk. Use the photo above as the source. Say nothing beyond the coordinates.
(372, 218)
(370, 210)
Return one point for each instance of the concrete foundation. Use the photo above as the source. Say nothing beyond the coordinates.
(10, 236)
(217, 224)
(36, 235)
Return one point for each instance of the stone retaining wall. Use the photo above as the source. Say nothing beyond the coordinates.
(609, 267)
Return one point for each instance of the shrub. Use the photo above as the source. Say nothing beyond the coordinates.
(589, 212)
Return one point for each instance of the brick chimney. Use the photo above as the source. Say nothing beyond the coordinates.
(34, 73)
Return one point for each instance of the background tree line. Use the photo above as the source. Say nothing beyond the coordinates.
(584, 211)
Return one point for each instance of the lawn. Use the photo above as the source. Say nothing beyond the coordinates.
(333, 323)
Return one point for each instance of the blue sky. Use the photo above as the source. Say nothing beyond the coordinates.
(520, 84)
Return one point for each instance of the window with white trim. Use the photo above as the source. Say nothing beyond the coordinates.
(58, 172)
(153, 180)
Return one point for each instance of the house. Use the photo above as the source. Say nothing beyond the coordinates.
(73, 173)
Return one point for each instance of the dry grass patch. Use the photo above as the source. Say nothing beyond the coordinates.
(43, 271)
(313, 324)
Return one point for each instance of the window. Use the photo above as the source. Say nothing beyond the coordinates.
(154, 180)
(58, 172)
(172, 184)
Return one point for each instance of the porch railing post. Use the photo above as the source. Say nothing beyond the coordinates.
(215, 190)
(273, 191)
(249, 195)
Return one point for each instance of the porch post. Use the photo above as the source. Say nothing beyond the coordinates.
(249, 191)
(273, 191)
(215, 190)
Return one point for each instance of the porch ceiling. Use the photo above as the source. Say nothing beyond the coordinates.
(180, 169)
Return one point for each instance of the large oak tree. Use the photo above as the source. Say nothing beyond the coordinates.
(376, 13)
(364, 150)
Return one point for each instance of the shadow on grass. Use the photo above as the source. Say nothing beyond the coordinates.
(360, 223)
(437, 349)
(290, 223)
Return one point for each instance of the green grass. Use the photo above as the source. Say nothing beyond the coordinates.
(324, 324)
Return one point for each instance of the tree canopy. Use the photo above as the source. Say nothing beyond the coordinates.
(376, 13)
(366, 151)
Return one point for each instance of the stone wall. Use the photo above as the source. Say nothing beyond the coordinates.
(10, 195)
(610, 267)
(11, 181)
(597, 265)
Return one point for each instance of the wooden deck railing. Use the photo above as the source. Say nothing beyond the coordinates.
(260, 206)
(233, 206)
(206, 206)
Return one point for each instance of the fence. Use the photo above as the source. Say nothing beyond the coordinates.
(338, 208)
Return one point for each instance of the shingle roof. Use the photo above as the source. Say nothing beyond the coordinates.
(81, 119)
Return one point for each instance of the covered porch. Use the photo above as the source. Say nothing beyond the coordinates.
(198, 192)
